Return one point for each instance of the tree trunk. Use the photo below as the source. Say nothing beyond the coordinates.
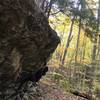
(68, 41)
(78, 40)
(26, 44)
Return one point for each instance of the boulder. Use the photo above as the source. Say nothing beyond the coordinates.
(26, 41)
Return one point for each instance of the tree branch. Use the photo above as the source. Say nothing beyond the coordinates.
(80, 94)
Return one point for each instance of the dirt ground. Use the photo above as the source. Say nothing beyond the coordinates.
(49, 91)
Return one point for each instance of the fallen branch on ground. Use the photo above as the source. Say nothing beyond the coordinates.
(83, 95)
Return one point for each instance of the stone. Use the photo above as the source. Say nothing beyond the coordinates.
(26, 41)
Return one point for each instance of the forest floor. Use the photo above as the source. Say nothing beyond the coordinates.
(48, 90)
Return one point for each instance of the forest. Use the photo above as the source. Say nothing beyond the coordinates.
(75, 65)
(69, 62)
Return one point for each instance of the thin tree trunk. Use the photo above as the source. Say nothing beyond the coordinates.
(84, 47)
(49, 8)
(78, 39)
(98, 31)
(62, 43)
(68, 40)
(98, 52)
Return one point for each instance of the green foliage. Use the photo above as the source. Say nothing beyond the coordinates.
(65, 84)
(89, 21)
(87, 36)
(62, 3)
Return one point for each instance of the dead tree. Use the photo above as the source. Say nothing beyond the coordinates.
(80, 94)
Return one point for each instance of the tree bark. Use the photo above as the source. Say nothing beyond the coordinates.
(68, 41)
(78, 41)
(81, 94)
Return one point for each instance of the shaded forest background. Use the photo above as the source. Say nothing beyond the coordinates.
(75, 65)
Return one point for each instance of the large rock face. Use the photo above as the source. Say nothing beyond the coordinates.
(26, 40)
